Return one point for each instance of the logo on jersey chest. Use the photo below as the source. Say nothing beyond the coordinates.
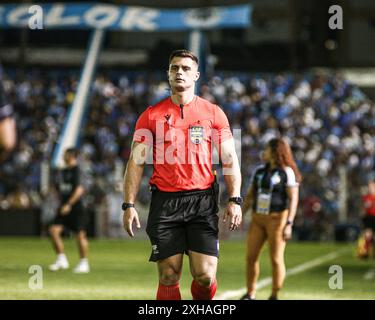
(65, 187)
(276, 179)
(196, 134)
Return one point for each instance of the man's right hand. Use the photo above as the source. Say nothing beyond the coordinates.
(130, 215)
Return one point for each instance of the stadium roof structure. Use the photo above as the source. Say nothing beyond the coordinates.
(101, 17)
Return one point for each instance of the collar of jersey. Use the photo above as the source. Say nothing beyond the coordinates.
(185, 105)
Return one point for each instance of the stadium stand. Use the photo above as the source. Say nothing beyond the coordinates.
(328, 121)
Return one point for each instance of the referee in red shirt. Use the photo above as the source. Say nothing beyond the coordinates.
(180, 132)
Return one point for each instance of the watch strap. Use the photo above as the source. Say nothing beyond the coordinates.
(236, 200)
(127, 205)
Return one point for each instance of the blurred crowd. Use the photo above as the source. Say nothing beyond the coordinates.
(328, 122)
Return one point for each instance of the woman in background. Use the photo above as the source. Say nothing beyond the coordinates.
(273, 197)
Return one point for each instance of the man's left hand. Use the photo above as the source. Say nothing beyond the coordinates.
(234, 212)
(65, 209)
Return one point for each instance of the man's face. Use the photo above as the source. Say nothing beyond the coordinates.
(67, 157)
(371, 187)
(182, 73)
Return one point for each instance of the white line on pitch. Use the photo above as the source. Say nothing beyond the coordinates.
(369, 275)
(297, 269)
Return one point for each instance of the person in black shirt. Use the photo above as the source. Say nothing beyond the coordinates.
(273, 199)
(71, 214)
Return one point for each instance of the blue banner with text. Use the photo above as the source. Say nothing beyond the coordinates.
(127, 18)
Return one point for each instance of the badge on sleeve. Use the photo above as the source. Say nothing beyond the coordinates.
(196, 134)
(275, 179)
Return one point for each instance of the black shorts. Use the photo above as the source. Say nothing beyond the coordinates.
(369, 222)
(183, 221)
(76, 220)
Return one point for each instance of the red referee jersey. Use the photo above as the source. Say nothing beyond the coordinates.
(369, 204)
(182, 142)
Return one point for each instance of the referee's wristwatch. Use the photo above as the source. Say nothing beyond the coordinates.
(127, 205)
(289, 223)
(236, 200)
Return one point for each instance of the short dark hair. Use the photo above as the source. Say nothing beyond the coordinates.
(183, 53)
(72, 151)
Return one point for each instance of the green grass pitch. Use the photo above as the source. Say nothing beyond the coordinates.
(120, 270)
